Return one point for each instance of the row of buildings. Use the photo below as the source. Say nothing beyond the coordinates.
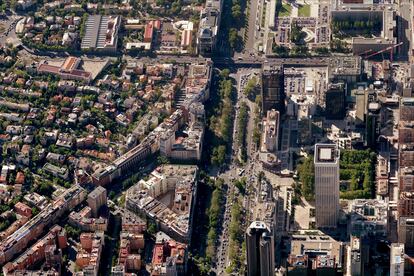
(18, 241)
(406, 177)
(178, 137)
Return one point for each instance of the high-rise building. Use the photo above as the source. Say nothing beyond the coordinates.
(406, 232)
(273, 94)
(210, 18)
(271, 131)
(97, 199)
(260, 250)
(335, 101)
(397, 259)
(326, 185)
(354, 257)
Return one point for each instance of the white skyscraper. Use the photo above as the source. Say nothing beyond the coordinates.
(326, 185)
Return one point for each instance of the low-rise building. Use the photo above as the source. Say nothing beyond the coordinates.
(369, 217)
(38, 252)
(31, 230)
(68, 70)
(89, 254)
(85, 222)
(101, 33)
(169, 257)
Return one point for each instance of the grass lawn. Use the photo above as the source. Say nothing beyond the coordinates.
(304, 11)
(284, 10)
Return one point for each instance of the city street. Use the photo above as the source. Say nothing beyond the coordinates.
(235, 171)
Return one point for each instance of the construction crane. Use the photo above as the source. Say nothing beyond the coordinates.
(390, 48)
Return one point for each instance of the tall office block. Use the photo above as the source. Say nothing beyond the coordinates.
(326, 185)
(97, 199)
(354, 257)
(260, 250)
(406, 232)
(397, 259)
(335, 101)
(273, 88)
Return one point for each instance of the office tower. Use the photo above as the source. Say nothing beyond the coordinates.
(273, 94)
(406, 232)
(97, 199)
(372, 124)
(271, 131)
(397, 259)
(335, 101)
(354, 257)
(210, 18)
(260, 250)
(326, 185)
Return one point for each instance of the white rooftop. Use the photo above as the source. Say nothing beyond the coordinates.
(325, 154)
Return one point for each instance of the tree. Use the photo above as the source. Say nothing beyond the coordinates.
(241, 185)
(258, 100)
(46, 189)
(152, 228)
(161, 160)
(219, 155)
(250, 86)
(354, 182)
(234, 39)
(322, 51)
(306, 173)
(225, 73)
(280, 50)
(296, 34)
(72, 232)
(236, 12)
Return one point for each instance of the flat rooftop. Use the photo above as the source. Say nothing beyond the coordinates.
(326, 153)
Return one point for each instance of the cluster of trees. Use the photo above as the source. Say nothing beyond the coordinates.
(339, 46)
(236, 12)
(322, 51)
(235, 22)
(235, 39)
(221, 120)
(350, 25)
(280, 50)
(257, 112)
(250, 87)
(46, 189)
(72, 232)
(219, 155)
(357, 167)
(213, 219)
(236, 238)
(44, 47)
(130, 181)
(241, 133)
(306, 172)
(296, 34)
(296, 51)
(6, 221)
(241, 185)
